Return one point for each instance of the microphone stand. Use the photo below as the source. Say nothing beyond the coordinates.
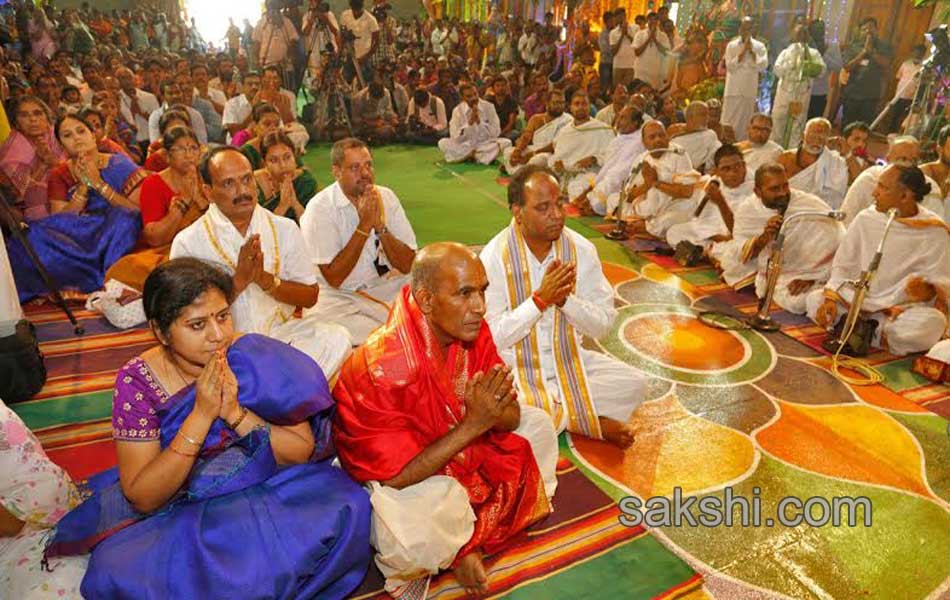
(762, 321)
(861, 286)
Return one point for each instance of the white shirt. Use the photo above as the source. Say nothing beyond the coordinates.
(590, 309)
(275, 43)
(330, 220)
(742, 78)
(650, 64)
(362, 27)
(197, 124)
(319, 37)
(147, 102)
(236, 111)
(436, 121)
(488, 127)
(438, 39)
(529, 47)
(254, 311)
(624, 57)
(216, 95)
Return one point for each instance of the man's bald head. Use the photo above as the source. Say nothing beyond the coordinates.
(448, 283)
(654, 135)
(903, 150)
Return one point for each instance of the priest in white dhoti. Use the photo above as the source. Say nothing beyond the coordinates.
(580, 149)
(815, 168)
(719, 196)
(358, 238)
(796, 67)
(265, 255)
(908, 294)
(621, 153)
(474, 131)
(810, 241)
(902, 150)
(699, 141)
(662, 186)
(546, 290)
(759, 149)
(536, 142)
(746, 57)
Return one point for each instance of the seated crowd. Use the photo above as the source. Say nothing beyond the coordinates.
(452, 372)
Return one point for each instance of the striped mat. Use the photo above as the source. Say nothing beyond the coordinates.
(580, 551)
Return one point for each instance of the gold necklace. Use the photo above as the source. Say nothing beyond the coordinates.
(227, 259)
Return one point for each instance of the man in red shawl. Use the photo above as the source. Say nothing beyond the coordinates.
(428, 417)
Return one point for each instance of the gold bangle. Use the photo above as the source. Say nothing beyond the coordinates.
(235, 425)
(180, 453)
(361, 232)
(189, 440)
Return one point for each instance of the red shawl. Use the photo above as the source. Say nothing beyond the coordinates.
(397, 394)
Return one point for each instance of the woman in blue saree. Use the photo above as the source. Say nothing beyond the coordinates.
(94, 218)
(223, 488)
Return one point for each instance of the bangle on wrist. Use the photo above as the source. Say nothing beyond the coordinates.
(240, 419)
(188, 439)
(361, 232)
(182, 453)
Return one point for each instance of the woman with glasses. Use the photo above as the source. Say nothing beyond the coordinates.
(171, 200)
(94, 201)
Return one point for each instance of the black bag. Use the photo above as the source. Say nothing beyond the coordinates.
(688, 254)
(859, 344)
(22, 372)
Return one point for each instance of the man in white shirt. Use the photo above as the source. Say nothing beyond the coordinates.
(529, 45)
(320, 32)
(426, 122)
(902, 150)
(908, 295)
(274, 37)
(650, 45)
(759, 149)
(364, 26)
(907, 83)
(746, 58)
(237, 110)
(173, 94)
(199, 76)
(136, 105)
(440, 33)
(621, 44)
(358, 236)
(546, 290)
(264, 253)
(621, 153)
(796, 68)
(699, 141)
(474, 130)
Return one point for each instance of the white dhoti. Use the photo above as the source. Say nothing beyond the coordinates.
(540, 159)
(736, 112)
(362, 311)
(729, 257)
(756, 156)
(577, 183)
(574, 143)
(482, 151)
(916, 329)
(418, 530)
(826, 178)
(327, 343)
(674, 166)
(616, 388)
(621, 154)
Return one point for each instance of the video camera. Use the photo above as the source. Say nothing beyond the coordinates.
(379, 11)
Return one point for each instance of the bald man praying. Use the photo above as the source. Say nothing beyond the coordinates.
(428, 418)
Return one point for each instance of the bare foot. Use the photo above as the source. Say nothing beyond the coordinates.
(471, 574)
(616, 433)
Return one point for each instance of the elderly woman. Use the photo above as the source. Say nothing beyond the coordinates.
(223, 488)
(94, 199)
(28, 154)
(34, 495)
(171, 200)
(282, 187)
